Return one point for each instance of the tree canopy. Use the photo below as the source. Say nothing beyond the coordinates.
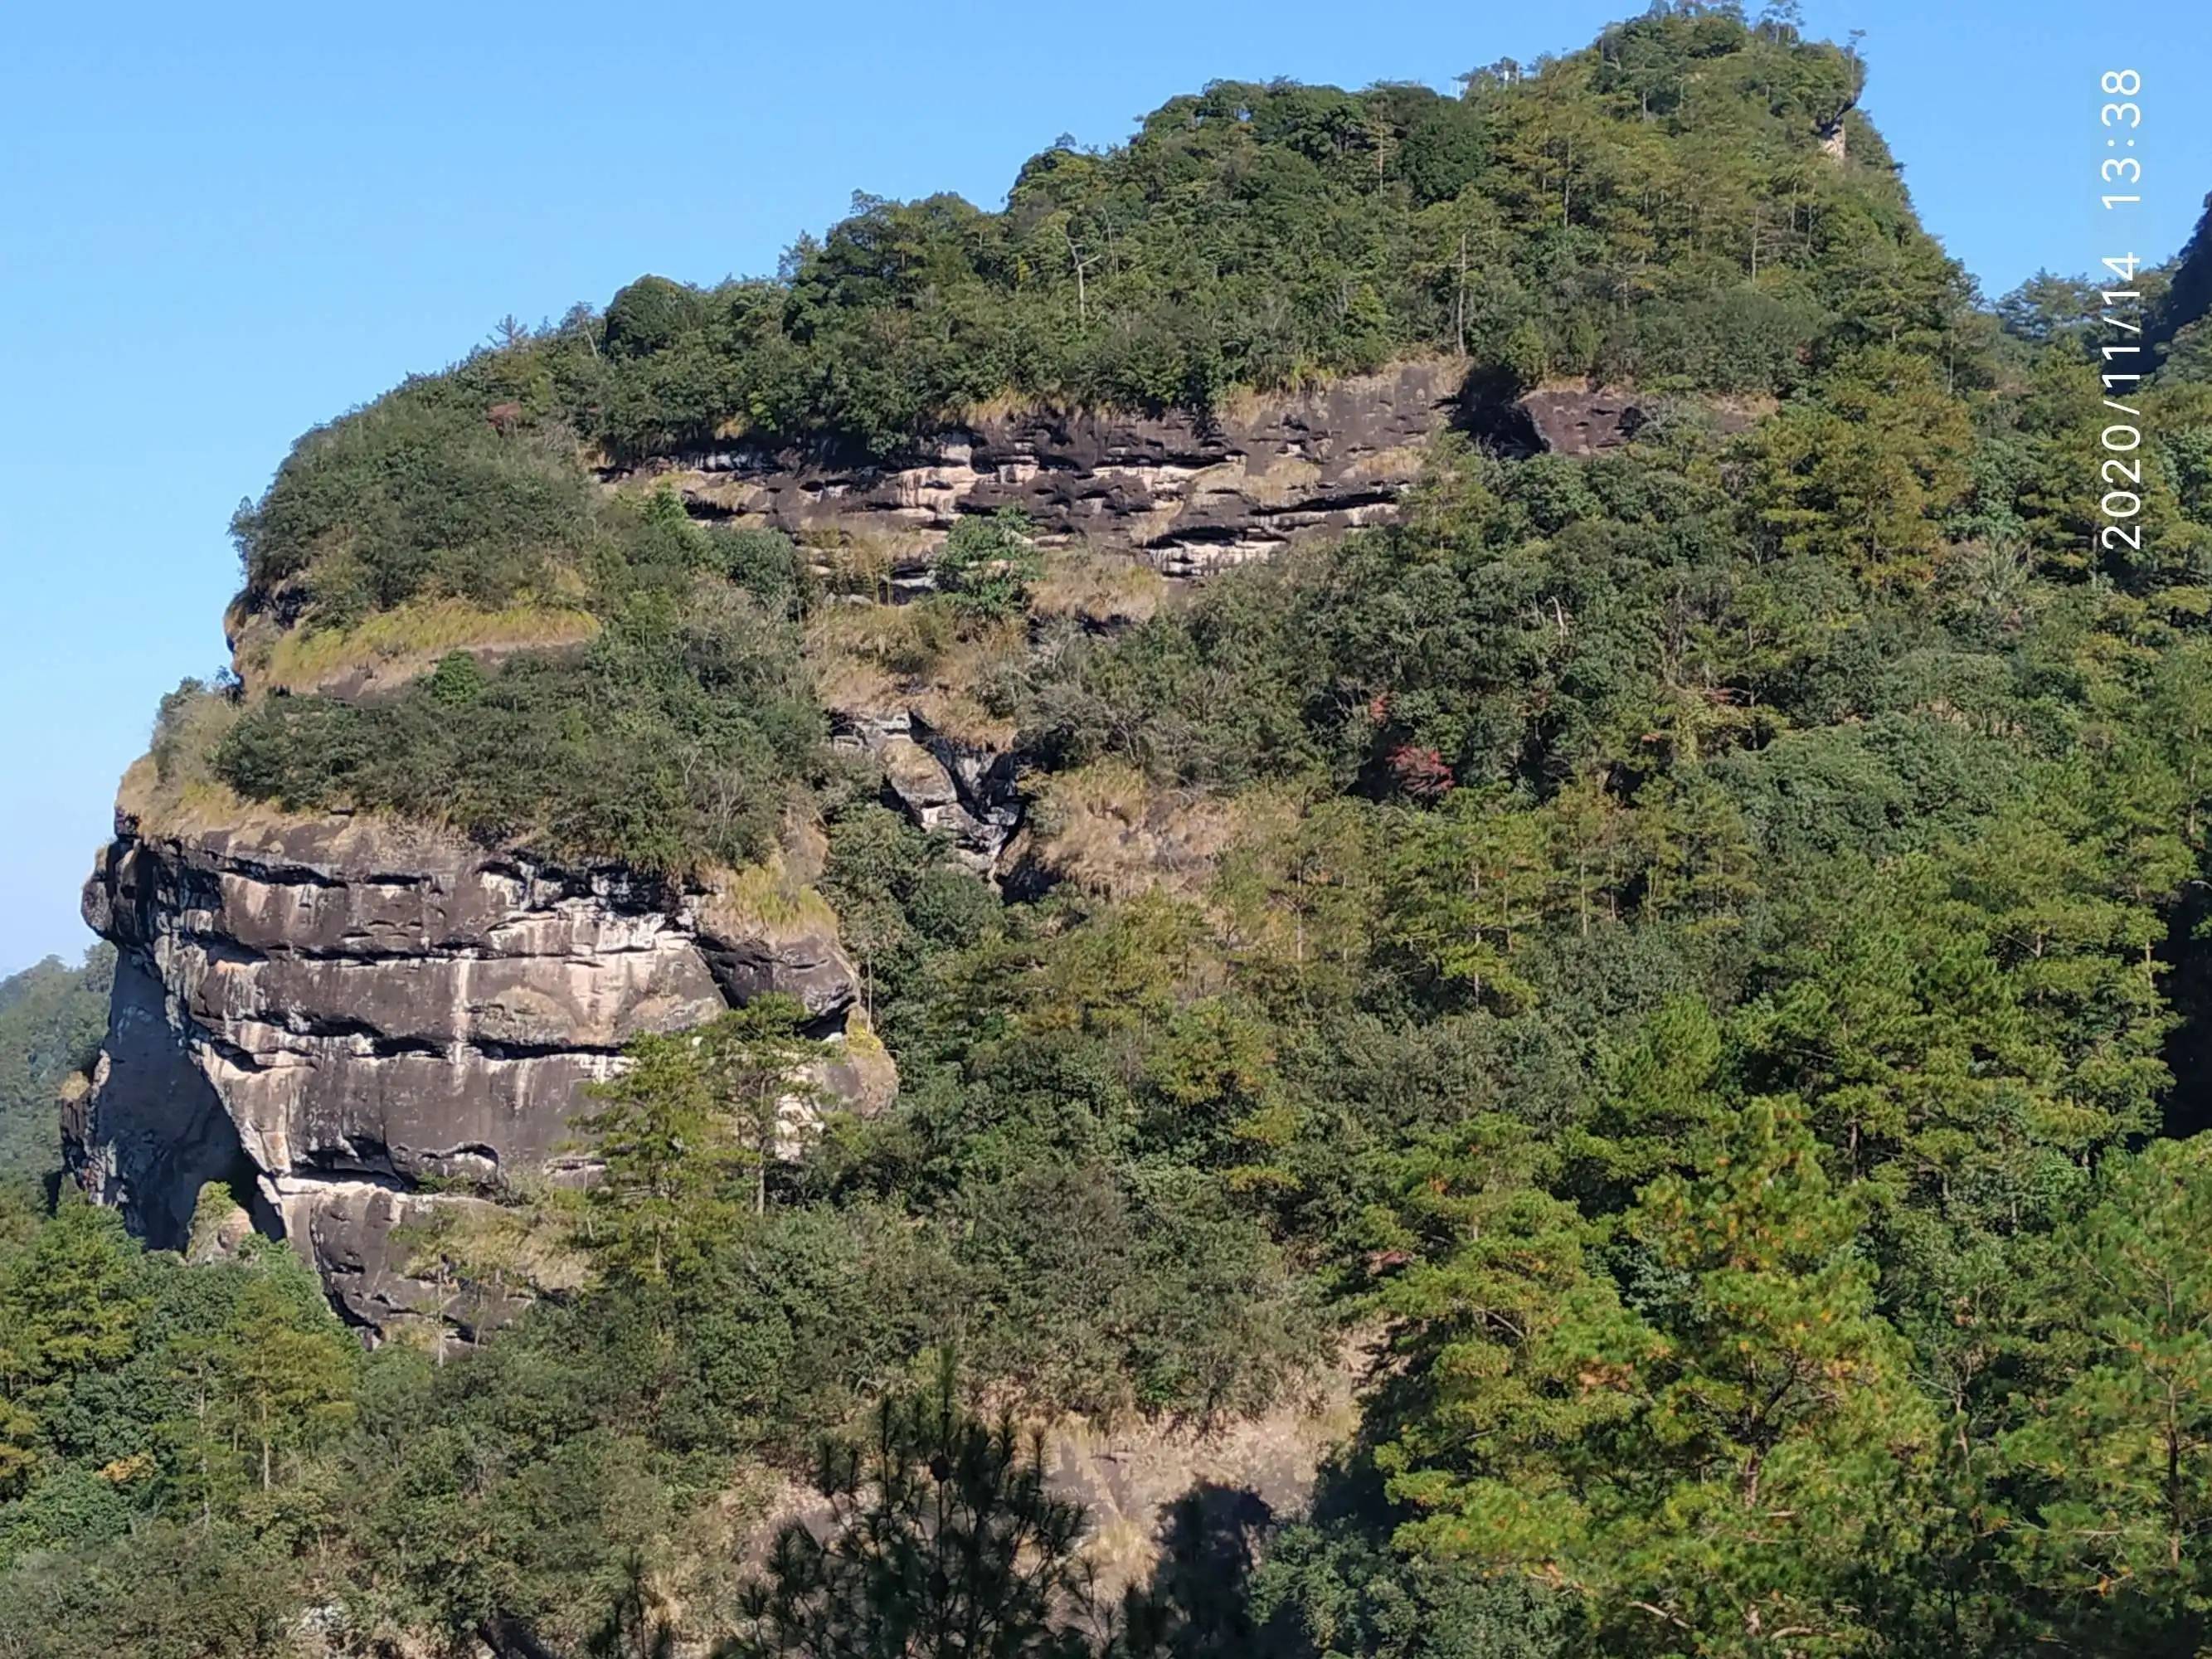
(1684, 970)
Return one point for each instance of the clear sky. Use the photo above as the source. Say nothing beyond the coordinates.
(222, 224)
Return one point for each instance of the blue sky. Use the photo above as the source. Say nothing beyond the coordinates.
(220, 225)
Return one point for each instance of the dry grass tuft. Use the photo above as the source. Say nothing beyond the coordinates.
(1103, 589)
(173, 787)
(859, 563)
(765, 901)
(871, 657)
(1110, 831)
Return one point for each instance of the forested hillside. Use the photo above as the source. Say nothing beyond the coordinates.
(1682, 968)
(51, 1020)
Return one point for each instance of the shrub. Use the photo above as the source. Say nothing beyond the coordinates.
(699, 728)
(987, 564)
(418, 493)
(650, 315)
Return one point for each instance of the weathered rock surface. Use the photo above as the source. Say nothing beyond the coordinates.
(966, 792)
(354, 1022)
(1582, 421)
(1185, 495)
(1210, 1493)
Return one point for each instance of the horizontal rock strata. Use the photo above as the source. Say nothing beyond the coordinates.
(353, 1021)
(1185, 494)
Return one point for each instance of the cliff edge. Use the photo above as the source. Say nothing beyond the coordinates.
(350, 1022)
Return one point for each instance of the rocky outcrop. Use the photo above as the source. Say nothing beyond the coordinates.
(966, 792)
(358, 1028)
(1185, 494)
(1207, 1495)
(1107, 831)
(1581, 420)
(354, 1023)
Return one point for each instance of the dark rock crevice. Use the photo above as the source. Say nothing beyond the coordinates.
(234, 1055)
(153, 1130)
(497, 1050)
(2186, 951)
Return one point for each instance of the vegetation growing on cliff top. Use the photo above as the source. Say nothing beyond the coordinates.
(676, 738)
(1702, 995)
(1659, 206)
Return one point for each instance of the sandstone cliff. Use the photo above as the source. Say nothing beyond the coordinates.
(1173, 494)
(354, 1023)
(1185, 495)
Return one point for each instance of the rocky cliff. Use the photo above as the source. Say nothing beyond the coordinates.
(352, 1024)
(1180, 495)
(1187, 495)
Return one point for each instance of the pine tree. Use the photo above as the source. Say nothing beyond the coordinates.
(2114, 1460)
(1520, 1364)
(692, 1119)
(1775, 1462)
(943, 1542)
(668, 1163)
(78, 1292)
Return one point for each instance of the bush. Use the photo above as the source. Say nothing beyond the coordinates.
(418, 494)
(702, 727)
(987, 564)
(650, 315)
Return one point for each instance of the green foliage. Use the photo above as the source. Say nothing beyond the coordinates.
(1333, 1589)
(1593, 216)
(419, 493)
(943, 1539)
(457, 682)
(900, 905)
(1682, 948)
(1165, 1298)
(74, 1297)
(135, 1388)
(693, 1117)
(671, 742)
(273, 1384)
(2112, 1462)
(51, 1020)
(652, 314)
(987, 565)
(165, 1592)
(668, 1159)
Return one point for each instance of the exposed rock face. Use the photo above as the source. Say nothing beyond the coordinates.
(354, 1025)
(342, 1015)
(1109, 831)
(969, 793)
(1207, 1491)
(1577, 421)
(1186, 496)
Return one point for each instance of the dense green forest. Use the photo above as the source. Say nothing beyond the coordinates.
(51, 1019)
(1703, 990)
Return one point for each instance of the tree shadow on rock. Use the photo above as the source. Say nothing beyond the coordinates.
(1199, 1599)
